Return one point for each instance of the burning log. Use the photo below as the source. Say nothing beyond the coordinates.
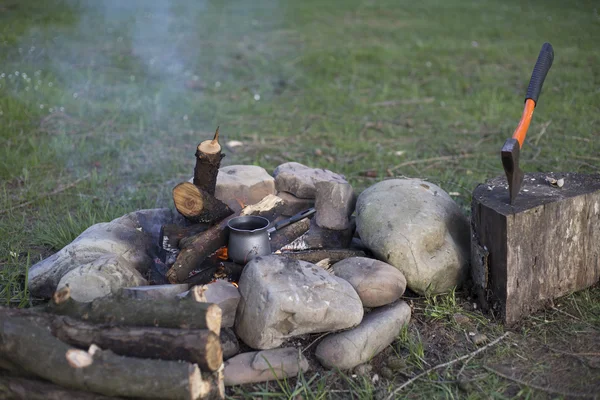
(208, 162)
(314, 256)
(34, 349)
(198, 205)
(322, 238)
(287, 234)
(198, 346)
(167, 313)
(197, 248)
(171, 234)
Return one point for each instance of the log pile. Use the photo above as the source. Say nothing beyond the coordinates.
(77, 348)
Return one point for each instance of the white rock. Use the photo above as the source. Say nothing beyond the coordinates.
(416, 227)
(299, 180)
(346, 350)
(104, 276)
(376, 282)
(282, 298)
(260, 366)
(247, 184)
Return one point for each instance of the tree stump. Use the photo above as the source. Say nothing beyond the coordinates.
(545, 245)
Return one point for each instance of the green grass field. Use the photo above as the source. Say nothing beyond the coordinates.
(102, 105)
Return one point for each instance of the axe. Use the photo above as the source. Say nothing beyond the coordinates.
(512, 147)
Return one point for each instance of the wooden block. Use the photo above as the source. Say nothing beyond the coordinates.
(542, 247)
(154, 291)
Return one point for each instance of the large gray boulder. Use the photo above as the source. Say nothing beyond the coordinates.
(377, 283)
(132, 237)
(283, 298)
(415, 226)
(106, 275)
(346, 350)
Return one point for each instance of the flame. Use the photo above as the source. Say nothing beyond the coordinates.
(235, 284)
(240, 202)
(222, 253)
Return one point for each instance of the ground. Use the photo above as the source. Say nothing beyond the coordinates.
(102, 105)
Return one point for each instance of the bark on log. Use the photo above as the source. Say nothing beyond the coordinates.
(18, 388)
(197, 205)
(184, 313)
(314, 256)
(322, 238)
(198, 346)
(208, 162)
(171, 235)
(36, 350)
(288, 234)
(197, 249)
(519, 251)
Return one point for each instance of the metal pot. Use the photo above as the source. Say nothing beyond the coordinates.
(249, 235)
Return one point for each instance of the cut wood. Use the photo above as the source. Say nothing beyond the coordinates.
(198, 346)
(167, 313)
(17, 388)
(197, 248)
(36, 350)
(314, 256)
(288, 234)
(197, 205)
(543, 246)
(208, 162)
(222, 293)
(153, 292)
(171, 234)
(321, 238)
(269, 207)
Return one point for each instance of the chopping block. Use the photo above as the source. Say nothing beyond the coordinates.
(545, 245)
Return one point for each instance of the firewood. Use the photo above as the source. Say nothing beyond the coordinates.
(208, 162)
(288, 234)
(322, 238)
(197, 248)
(171, 234)
(197, 205)
(99, 371)
(198, 346)
(18, 388)
(314, 256)
(166, 313)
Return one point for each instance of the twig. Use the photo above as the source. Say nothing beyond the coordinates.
(446, 364)
(48, 194)
(426, 160)
(542, 388)
(545, 126)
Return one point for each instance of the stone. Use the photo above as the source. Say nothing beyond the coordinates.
(134, 237)
(229, 343)
(299, 180)
(395, 363)
(225, 295)
(363, 370)
(282, 298)
(166, 291)
(261, 366)
(347, 349)
(416, 227)
(376, 282)
(479, 339)
(460, 319)
(106, 275)
(293, 205)
(387, 373)
(247, 184)
(334, 203)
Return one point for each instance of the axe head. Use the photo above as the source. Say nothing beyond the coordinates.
(510, 162)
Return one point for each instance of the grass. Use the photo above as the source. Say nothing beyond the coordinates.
(102, 104)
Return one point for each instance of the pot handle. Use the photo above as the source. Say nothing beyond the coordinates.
(292, 219)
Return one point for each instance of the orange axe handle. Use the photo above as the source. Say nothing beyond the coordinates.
(542, 66)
